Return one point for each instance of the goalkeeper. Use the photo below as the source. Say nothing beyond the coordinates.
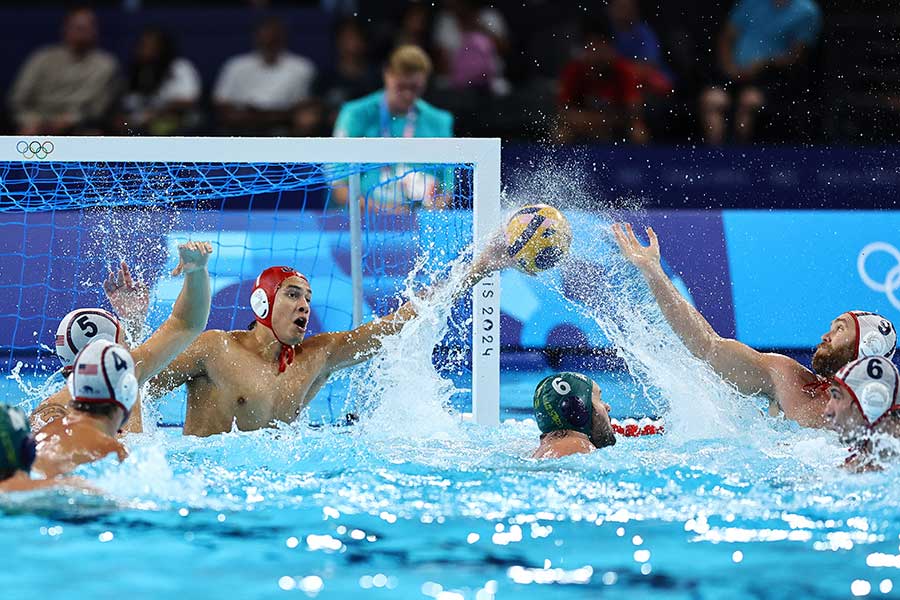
(256, 378)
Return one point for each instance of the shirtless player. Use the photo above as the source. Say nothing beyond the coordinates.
(269, 374)
(791, 388)
(103, 388)
(81, 326)
(863, 408)
(571, 415)
(17, 453)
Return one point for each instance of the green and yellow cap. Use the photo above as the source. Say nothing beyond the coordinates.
(563, 402)
(17, 447)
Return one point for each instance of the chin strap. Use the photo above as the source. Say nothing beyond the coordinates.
(285, 357)
(817, 387)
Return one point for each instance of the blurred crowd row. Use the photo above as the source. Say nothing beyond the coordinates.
(598, 72)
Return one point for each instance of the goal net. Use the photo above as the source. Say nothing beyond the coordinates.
(354, 215)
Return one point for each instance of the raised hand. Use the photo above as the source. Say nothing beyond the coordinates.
(643, 257)
(192, 256)
(129, 299)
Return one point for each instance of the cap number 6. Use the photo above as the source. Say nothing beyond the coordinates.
(561, 387)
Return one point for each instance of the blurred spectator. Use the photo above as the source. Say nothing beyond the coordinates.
(415, 27)
(635, 40)
(163, 88)
(398, 111)
(599, 97)
(470, 40)
(259, 92)
(69, 87)
(353, 74)
(758, 50)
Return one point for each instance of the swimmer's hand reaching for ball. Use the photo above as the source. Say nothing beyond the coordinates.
(192, 256)
(643, 257)
(495, 255)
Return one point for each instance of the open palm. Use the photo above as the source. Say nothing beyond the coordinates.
(641, 256)
(130, 299)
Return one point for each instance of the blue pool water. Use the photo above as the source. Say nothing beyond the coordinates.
(450, 510)
(413, 503)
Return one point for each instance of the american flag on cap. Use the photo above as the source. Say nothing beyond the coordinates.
(87, 369)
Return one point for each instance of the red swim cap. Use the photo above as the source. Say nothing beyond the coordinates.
(262, 300)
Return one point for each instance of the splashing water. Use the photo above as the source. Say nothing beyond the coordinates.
(697, 403)
(404, 394)
(35, 392)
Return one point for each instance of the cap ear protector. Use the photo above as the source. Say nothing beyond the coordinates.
(564, 402)
(104, 373)
(873, 384)
(875, 335)
(17, 445)
(872, 344)
(259, 302)
(81, 327)
(874, 400)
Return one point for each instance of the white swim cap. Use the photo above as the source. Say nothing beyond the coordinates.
(875, 335)
(82, 326)
(104, 372)
(872, 382)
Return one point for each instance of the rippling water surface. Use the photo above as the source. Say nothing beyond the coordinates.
(460, 513)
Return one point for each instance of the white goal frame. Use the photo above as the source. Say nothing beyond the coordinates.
(482, 153)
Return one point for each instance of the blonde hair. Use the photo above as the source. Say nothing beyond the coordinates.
(408, 60)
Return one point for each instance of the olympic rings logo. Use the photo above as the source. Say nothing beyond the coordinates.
(34, 149)
(891, 282)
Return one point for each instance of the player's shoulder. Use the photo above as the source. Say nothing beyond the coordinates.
(52, 427)
(786, 366)
(50, 409)
(564, 446)
(324, 340)
(571, 445)
(217, 339)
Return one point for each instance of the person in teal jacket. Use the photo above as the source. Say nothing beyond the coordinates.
(399, 111)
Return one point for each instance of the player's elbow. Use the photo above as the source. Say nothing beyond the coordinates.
(710, 346)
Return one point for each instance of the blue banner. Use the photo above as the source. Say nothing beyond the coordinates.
(793, 272)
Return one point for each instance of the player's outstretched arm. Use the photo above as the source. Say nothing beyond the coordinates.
(750, 371)
(357, 345)
(188, 318)
(129, 299)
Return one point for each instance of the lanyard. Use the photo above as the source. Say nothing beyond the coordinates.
(409, 129)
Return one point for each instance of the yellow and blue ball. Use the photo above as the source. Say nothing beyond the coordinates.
(538, 236)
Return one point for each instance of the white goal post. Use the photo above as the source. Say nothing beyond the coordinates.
(483, 154)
